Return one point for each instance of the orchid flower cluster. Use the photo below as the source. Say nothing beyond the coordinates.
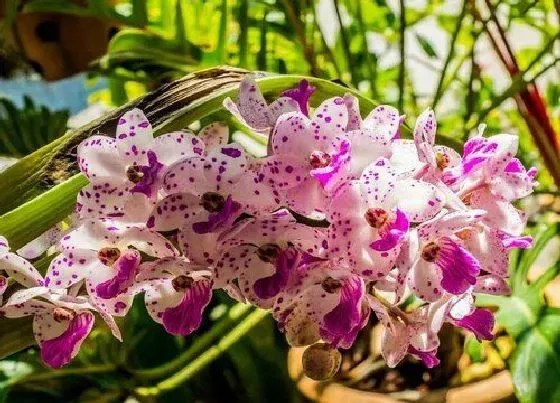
(342, 218)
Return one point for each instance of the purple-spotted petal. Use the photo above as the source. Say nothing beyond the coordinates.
(60, 350)
(392, 233)
(341, 325)
(219, 220)
(214, 135)
(126, 268)
(480, 323)
(384, 121)
(186, 317)
(377, 182)
(301, 95)
(329, 121)
(424, 280)
(134, 136)
(291, 136)
(492, 284)
(458, 267)
(334, 173)
(424, 136)
(424, 205)
(98, 158)
(175, 209)
(427, 357)
(354, 117)
(175, 146)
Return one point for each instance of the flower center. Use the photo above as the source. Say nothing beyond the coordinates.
(467, 199)
(108, 256)
(213, 202)
(430, 252)
(319, 159)
(62, 314)
(376, 217)
(463, 234)
(134, 173)
(268, 252)
(331, 285)
(181, 283)
(442, 160)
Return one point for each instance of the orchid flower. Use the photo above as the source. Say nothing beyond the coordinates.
(434, 259)
(491, 163)
(341, 218)
(106, 254)
(61, 322)
(252, 110)
(261, 257)
(371, 217)
(207, 195)
(17, 268)
(324, 302)
(125, 172)
(176, 293)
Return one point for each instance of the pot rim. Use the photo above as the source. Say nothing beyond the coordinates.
(496, 388)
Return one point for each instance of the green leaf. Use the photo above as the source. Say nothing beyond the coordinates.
(25, 130)
(31, 219)
(540, 283)
(427, 46)
(36, 216)
(16, 335)
(528, 257)
(535, 364)
(140, 51)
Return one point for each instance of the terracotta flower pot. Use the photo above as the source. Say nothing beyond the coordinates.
(497, 388)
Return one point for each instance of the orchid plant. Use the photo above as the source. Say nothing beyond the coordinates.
(340, 220)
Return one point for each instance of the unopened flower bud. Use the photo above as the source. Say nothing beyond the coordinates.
(321, 361)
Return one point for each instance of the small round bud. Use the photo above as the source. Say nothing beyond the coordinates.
(321, 361)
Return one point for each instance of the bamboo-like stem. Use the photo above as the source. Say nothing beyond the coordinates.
(206, 358)
(61, 373)
(402, 49)
(346, 45)
(299, 28)
(370, 64)
(528, 99)
(450, 54)
(200, 344)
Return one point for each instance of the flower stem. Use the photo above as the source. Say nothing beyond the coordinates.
(206, 358)
(201, 343)
(61, 373)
